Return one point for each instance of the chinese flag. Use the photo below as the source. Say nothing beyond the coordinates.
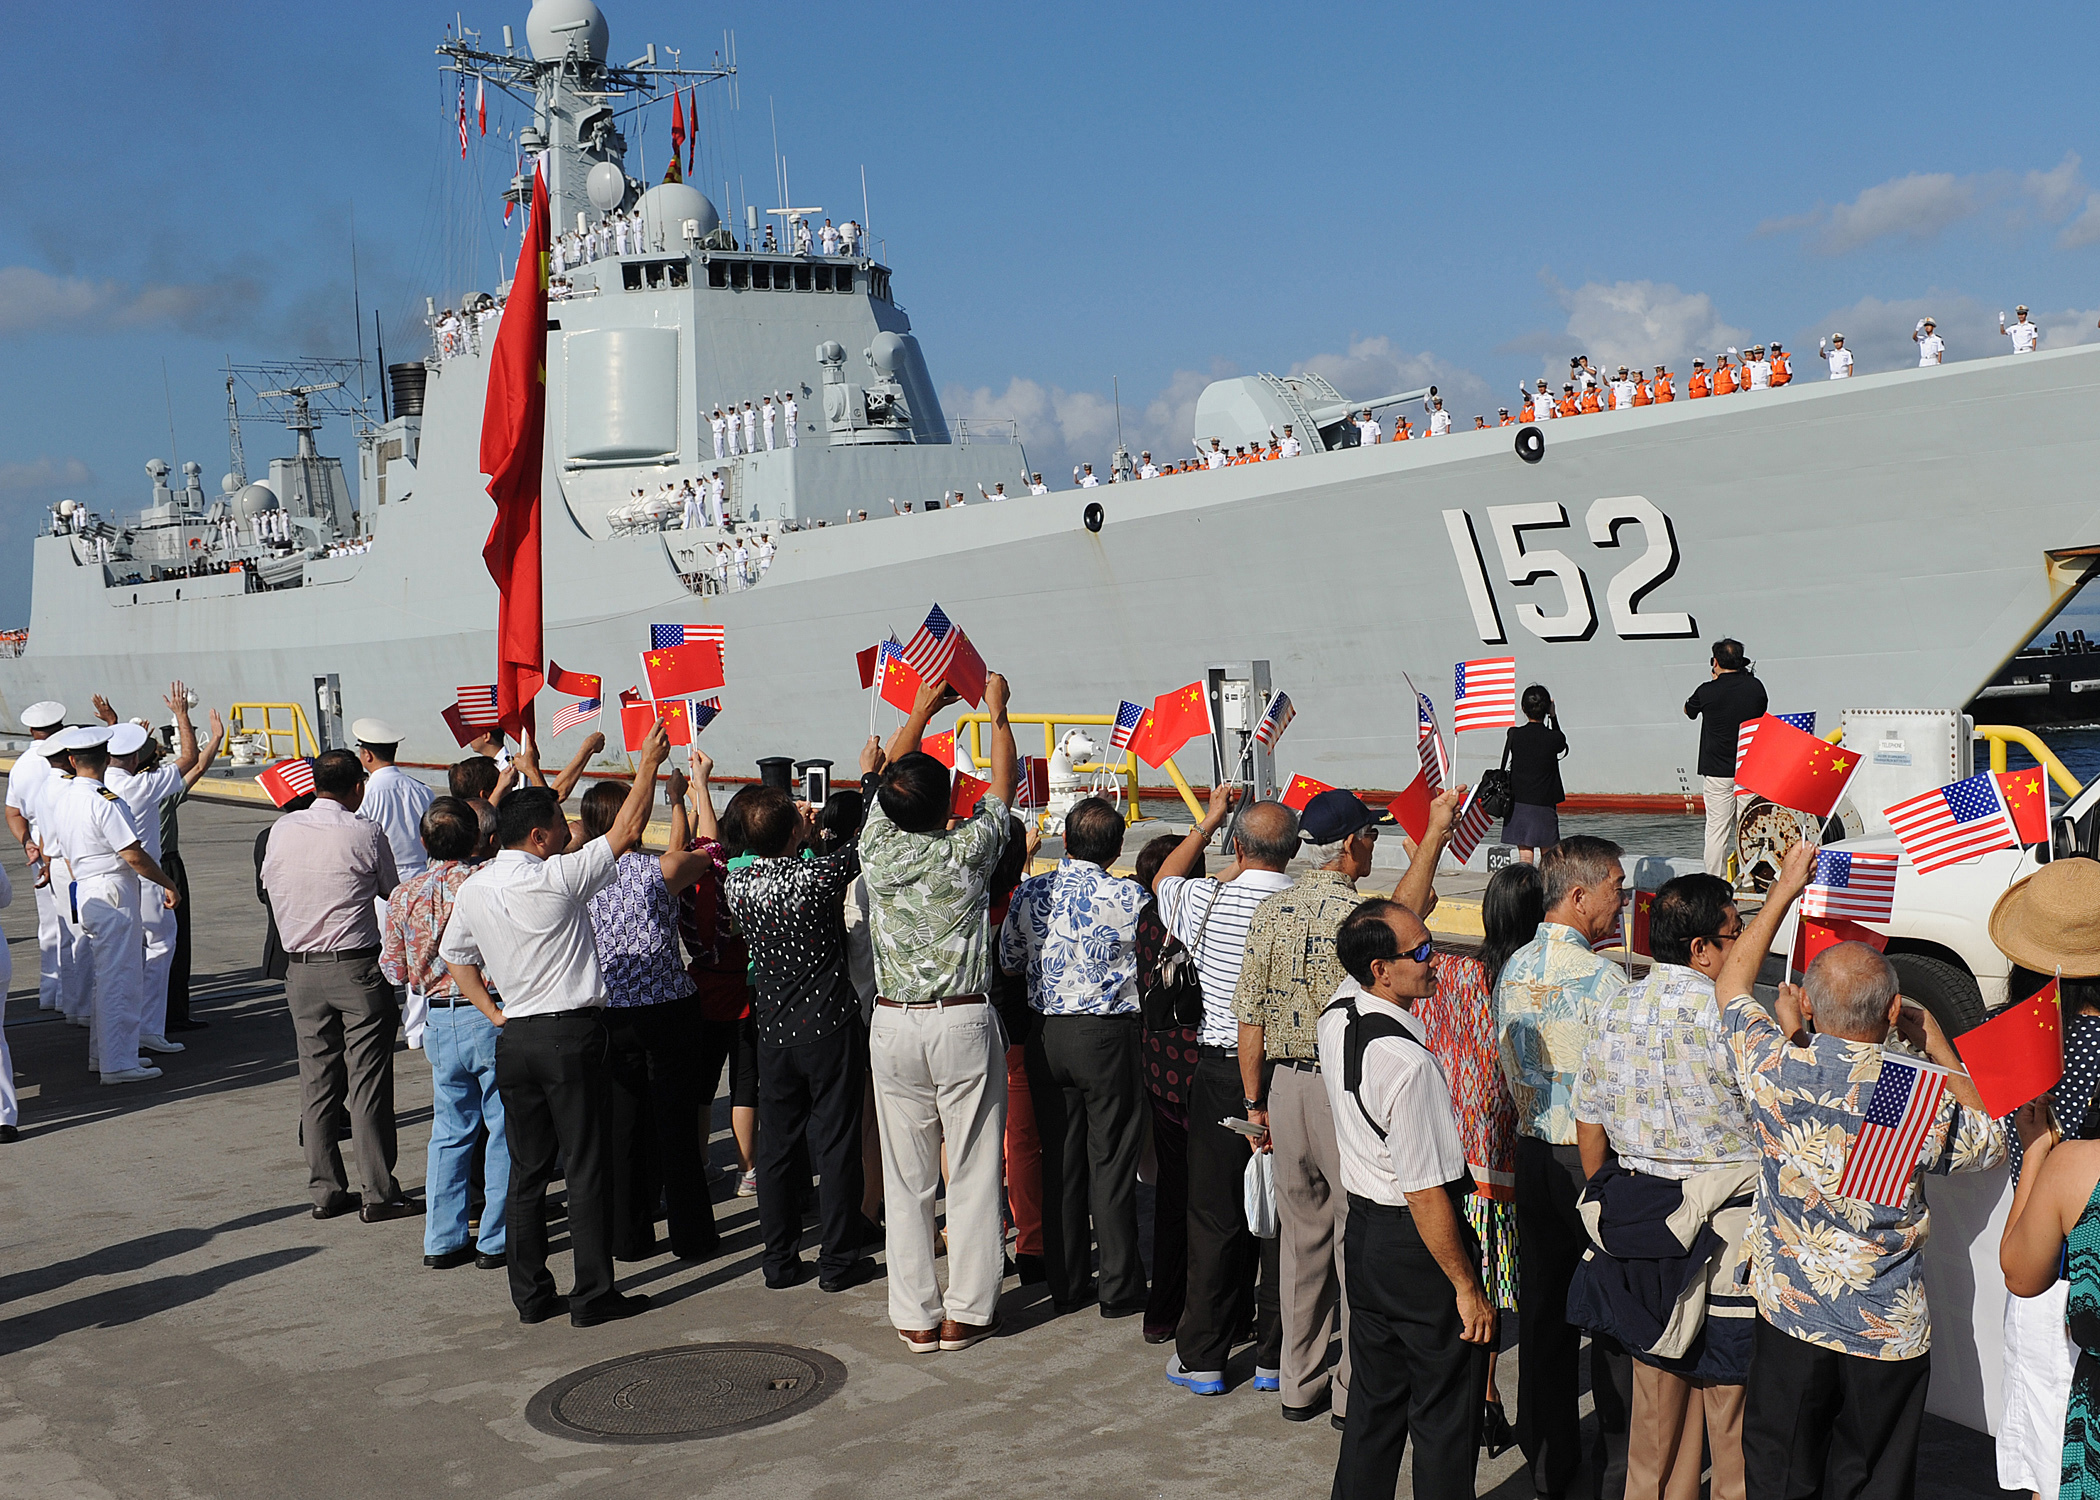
(1174, 719)
(1301, 791)
(967, 790)
(678, 724)
(900, 684)
(1794, 768)
(513, 442)
(1643, 901)
(941, 747)
(677, 129)
(966, 670)
(2028, 802)
(1411, 808)
(867, 661)
(681, 671)
(575, 684)
(465, 733)
(2018, 1054)
(636, 715)
(1818, 933)
(1034, 781)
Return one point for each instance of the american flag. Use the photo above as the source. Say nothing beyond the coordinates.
(569, 715)
(1859, 886)
(661, 636)
(1884, 1156)
(1472, 826)
(1952, 823)
(702, 711)
(1484, 694)
(463, 120)
(287, 779)
(477, 705)
(1429, 741)
(1806, 723)
(931, 650)
(1276, 720)
(1127, 716)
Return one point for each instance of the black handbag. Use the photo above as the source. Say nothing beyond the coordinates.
(1496, 795)
(1171, 997)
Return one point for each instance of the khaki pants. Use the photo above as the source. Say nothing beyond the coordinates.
(1720, 822)
(1314, 1214)
(1673, 1421)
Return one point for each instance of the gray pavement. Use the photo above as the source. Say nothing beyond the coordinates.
(174, 1323)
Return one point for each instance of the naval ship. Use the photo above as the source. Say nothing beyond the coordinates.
(1889, 541)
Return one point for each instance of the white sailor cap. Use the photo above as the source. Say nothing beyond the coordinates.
(127, 739)
(43, 715)
(375, 732)
(80, 737)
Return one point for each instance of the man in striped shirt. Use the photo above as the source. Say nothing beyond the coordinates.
(1210, 918)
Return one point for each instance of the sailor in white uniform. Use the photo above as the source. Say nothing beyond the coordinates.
(767, 412)
(791, 412)
(1215, 458)
(31, 777)
(1087, 481)
(395, 801)
(742, 561)
(828, 238)
(1932, 349)
(720, 428)
(1838, 355)
(107, 860)
(2023, 333)
(146, 790)
(766, 550)
(1036, 485)
(750, 428)
(716, 487)
(1439, 419)
(1147, 469)
(722, 567)
(1291, 447)
(1757, 370)
(695, 508)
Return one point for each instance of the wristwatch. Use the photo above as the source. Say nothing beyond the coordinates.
(1254, 1103)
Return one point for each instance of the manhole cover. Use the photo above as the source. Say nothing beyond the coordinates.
(676, 1395)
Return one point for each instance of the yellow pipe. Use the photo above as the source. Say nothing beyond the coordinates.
(976, 718)
(1174, 775)
(300, 730)
(1999, 735)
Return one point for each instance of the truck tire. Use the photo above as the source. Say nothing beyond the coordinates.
(1950, 993)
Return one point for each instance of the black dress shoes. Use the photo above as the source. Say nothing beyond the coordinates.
(9, 1134)
(189, 1026)
(489, 1262)
(446, 1260)
(339, 1204)
(608, 1310)
(854, 1275)
(793, 1274)
(541, 1312)
(379, 1213)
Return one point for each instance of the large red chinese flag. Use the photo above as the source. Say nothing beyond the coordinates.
(681, 671)
(2028, 802)
(1794, 768)
(1411, 808)
(513, 446)
(1173, 720)
(1301, 791)
(2018, 1054)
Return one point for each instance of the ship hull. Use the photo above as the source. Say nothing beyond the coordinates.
(1883, 542)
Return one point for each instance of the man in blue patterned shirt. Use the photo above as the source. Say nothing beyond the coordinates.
(1073, 933)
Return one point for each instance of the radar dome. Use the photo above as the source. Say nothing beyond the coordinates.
(229, 484)
(886, 354)
(257, 499)
(667, 206)
(553, 25)
(607, 185)
(67, 507)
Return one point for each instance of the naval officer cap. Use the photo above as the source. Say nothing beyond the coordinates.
(43, 715)
(81, 737)
(127, 739)
(374, 732)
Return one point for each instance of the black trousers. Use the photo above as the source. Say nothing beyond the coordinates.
(655, 1145)
(557, 1099)
(1817, 1422)
(1550, 1242)
(811, 1093)
(1223, 1253)
(1170, 1220)
(179, 961)
(1411, 1373)
(1090, 1115)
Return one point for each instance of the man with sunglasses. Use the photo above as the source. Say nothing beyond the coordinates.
(1658, 1091)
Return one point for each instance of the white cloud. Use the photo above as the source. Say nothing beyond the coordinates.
(1916, 207)
(43, 474)
(1878, 333)
(1642, 323)
(2057, 192)
(2083, 230)
(32, 301)
(1373, 367)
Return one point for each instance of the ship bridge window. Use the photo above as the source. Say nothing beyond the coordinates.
(842, 278)
(655, 274)
(879, 283)
(718, 273)
(761, 275)
(739, 273)
(802, 278)
(823, 278)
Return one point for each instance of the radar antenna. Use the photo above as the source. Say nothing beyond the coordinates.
(238, 459)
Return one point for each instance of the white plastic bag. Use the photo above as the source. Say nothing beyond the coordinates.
(1258, 1192)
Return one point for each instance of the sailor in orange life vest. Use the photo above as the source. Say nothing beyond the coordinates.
(1701, 383)
(1724, 375)
(1503, 412)
(1782, 368)
(1662, 391)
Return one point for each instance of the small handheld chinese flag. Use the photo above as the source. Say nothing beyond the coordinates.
(677, 722)
(900, 684)
(868, 661)
(2028, 802)
(1818, 933)
(575, 684)
(941, 747)
(1301, 791)
(2018, 1054)
(1643, 903)
(636, 715)
(1411, 808)
(682, 671)
(1794, 768)
(968, 789)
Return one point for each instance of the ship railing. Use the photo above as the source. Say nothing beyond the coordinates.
(239, 722)
(1999, 736)
(1123, 776)
(1002, 430)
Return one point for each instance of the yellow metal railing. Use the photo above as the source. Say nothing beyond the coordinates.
(2001, 735)
(1126, 773)
(299, 733)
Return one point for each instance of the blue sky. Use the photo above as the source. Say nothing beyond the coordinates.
(1070, 195)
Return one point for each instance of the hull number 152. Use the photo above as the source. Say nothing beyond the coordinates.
(1608, 522)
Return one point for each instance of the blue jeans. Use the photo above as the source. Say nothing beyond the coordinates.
(461, 1045)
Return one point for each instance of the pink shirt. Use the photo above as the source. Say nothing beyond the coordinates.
(324, 869)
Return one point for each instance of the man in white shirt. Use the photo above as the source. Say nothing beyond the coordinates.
(2024, 335)
(1757, 370)
(1147, 469)
(693, 508)
(524, 922)
(791, 412)
(1439, 419)
(1932, 349)
(828, 238)
(1838, 355)
(1622, 391)
(1087, 481)
(1210, 919)
(1291, 447)
(393, 799)
(743, 565)
(751, 422)
(720, 428)
(1036, 485)
(1420, 1326)
(767, 413)
(32, 775)
(766, 549)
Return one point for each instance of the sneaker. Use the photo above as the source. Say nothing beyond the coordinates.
(131, 1075)
(158, 1044)
(747, 1185)
(1267, 1380)
(1201, 1382)
(921, 1340)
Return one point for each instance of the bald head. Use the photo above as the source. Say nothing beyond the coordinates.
(1852, 990)
(1268, 836)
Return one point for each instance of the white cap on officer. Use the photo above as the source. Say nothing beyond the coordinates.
(127, 739)
(375, 732)
(80, 737)
(43, 715)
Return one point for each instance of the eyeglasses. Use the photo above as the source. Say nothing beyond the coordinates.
(1417, 954)
(1725, 937)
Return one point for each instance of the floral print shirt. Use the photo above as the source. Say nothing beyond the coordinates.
(932, 898)
(1290, 971)
(416, 914)
(1546, 1007)
(792, 912)
(1073, 931)
(1659, 1076)
(1839, 1273)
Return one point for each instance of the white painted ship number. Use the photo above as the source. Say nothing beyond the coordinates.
(1522, 564)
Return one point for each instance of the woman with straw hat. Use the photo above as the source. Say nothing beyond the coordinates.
(2049, 926)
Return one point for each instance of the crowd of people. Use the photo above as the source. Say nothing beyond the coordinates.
(737, 430)
(1353, 1132)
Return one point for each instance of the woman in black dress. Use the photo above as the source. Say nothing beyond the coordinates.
(1533, 751)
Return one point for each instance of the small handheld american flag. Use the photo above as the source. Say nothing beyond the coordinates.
(1806, 723)
(1276, 720)
(932, 648)
(1473, 824)
(1484, 694)
(1952, 823)
(661, 636)
(1429, 740)
(287, 779)
(477, 705)
(569, 715)
(1127, 716)
(1859, 886)
(1884, 1156)
(703, 712)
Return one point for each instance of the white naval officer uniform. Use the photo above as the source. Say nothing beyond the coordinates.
(767, 414)
(721, 431)
(145, 794)
(1439, 422)
(1840, 361)
(33, 774)
(750, 429)
(93, 826)
(1930, 349)
(791, 412)
(2024, 335)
